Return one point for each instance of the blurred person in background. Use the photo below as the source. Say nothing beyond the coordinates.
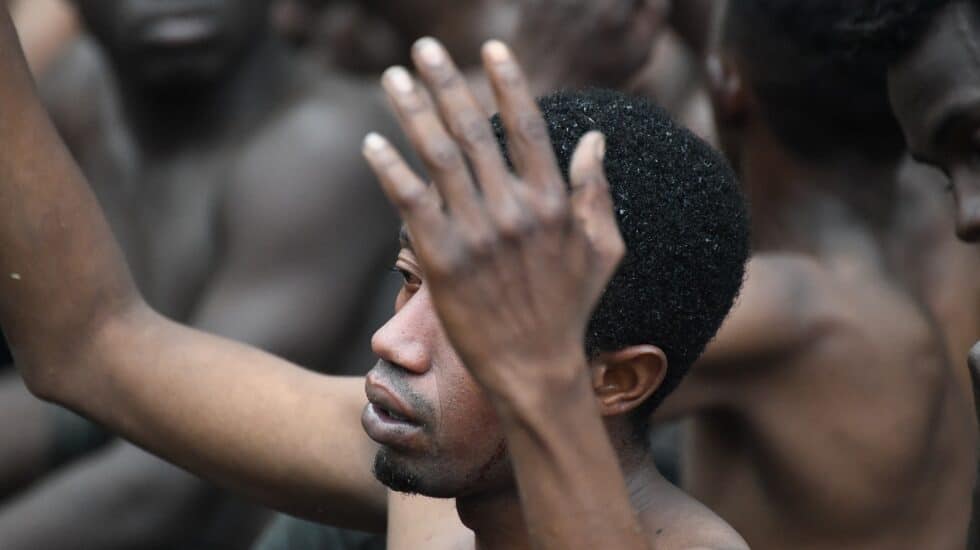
(827, 413)
(932, 51)
(340, 34)
(216, 155)
(365, 36)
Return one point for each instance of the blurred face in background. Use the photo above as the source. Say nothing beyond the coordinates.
(173, 42)
(935, 93)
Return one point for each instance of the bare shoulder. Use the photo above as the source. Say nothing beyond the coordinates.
(305, 161)
(320, 127)
(676, 521)
(76, 88)
(778, 312)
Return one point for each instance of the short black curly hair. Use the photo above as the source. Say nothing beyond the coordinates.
(683, 219)
(885, 31)
(818, 96)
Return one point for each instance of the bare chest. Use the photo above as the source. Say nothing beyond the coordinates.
(166, 215)
(857, 429)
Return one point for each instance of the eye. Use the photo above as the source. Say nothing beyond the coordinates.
(411, 281)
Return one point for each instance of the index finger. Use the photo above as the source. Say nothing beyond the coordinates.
(527, 134)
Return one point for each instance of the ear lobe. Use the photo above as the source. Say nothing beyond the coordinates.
(625, 379)
(726, 88)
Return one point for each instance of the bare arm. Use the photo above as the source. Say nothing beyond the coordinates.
(223, 410)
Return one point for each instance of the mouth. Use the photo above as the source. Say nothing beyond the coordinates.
(390, 429)
(387, 419)
(389, 415)
(179, 31)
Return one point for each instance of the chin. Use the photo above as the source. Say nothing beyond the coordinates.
(442, 479)
(406, 476)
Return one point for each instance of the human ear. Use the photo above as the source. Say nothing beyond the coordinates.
(726, 88)
(624, 379)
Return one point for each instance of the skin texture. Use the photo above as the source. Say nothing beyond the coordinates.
(210, 214)
(826, 414)
(266, 434)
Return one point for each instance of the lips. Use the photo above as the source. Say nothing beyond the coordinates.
(179, 30)
(387, 419)
(387, 402)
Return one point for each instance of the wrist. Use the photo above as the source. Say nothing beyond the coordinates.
(546, 391)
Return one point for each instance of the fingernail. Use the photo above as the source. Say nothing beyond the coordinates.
(496, 51)
(399, 79)
(374, 142)
(429, 50)
(600, 147)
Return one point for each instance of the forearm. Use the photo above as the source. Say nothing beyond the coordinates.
(61, 272)
(554, 435)
(120, 498)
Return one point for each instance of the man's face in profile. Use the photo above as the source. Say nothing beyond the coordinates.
(935, 93)
(438, 432)
(187, 41)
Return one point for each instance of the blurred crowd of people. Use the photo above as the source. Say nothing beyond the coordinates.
(835, 408)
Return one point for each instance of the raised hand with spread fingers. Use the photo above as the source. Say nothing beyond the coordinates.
(514, 264)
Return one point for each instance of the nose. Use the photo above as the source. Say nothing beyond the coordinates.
(406, 340)
(968, 212)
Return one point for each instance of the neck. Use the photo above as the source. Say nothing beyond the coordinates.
(809, 205)
(497, 518)
(212, 112)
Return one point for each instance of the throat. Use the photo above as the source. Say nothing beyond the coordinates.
(496, 519)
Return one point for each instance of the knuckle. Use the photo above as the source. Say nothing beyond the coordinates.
(480, 243)
(617, 248)
(472, 132)
(413, 103)
(510, 75)
(442, 155)
(553, 210)
(611, 248)
(410, 199)
(442, 267)
(445, 78)
(386, 160)
(532, 128)
(513, 224)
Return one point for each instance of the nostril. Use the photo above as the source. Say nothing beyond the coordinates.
(968, 222)
(969, 230)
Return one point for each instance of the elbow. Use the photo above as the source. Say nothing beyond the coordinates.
(61, 369)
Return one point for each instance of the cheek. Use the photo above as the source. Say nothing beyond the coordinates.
(467, 418)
